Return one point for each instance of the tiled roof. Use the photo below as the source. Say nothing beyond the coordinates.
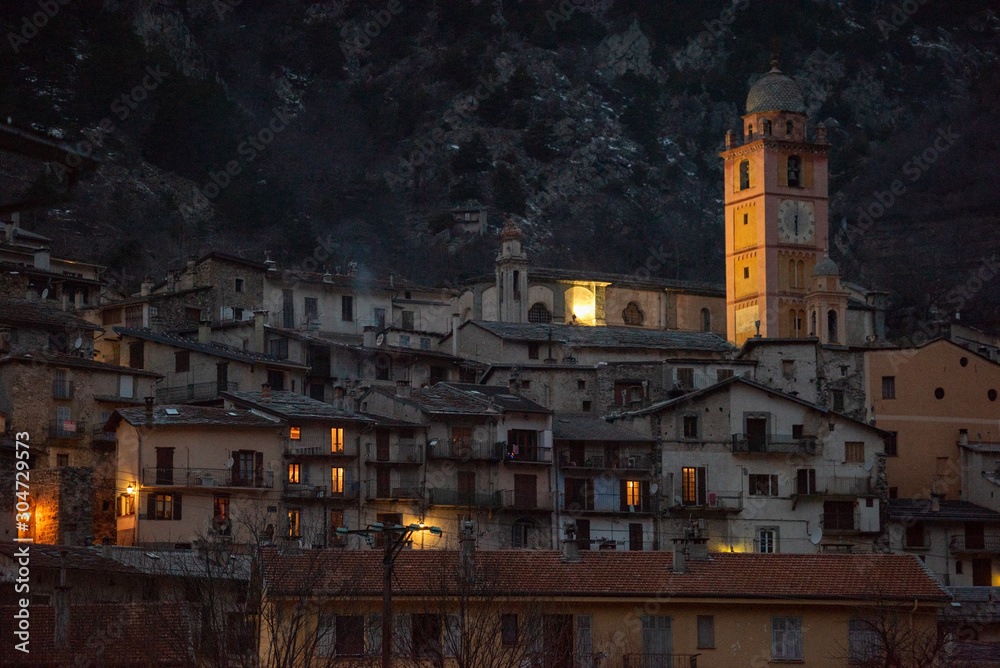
(112, 635)
(775, 92)
(500, 396)
(290, 405)
(618, 574)
(590, 427)
(605, 337)
(981, 654)
(952, 510)
(25, 312)
(211, 348)
(390, 422)
(64, 359)
(77, 558)
(441, 400)
(209, 416)
(626, 280)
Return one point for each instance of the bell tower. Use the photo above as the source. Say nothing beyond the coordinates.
(776, 203)
(512, 275)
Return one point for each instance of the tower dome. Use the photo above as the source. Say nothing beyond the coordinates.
(826, 267)
(775, 92)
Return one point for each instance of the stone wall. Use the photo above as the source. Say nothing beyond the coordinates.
(62, 500)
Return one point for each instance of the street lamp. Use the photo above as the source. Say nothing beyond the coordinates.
(394, 537)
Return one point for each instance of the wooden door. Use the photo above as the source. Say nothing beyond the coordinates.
(982, 572)
(383, 483)
(975, 536)
(635, 536)
(382, 445)
(164, 466)
(466, 487)
(525, 492)
(756, 434)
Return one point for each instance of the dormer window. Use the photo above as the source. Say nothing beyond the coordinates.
(794, 171)
(744, 175)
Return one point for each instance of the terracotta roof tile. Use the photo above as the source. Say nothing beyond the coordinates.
(621, 574)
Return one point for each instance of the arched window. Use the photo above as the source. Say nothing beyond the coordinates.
(539, 313)
(800, 274)
(750, 131)
(793, 323)
(744, 175)
(706, 320)
(812, 324)
(793, 277)
(632, 315)
(794, 171)
(802, 323)
(517, 285)
(789, 127)
(831, 326)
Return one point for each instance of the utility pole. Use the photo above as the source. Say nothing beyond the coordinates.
(394, 538)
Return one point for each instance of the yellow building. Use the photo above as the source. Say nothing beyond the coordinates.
(934, 398)
(600, 609)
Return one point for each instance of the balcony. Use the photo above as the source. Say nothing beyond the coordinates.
(511, 501)
(62, 389)
(841, 522)
(715, 502)
(393, 490)
(605, 503)
(70, 429)
(441, 496)
(321, 447)
(975, 544)
(349, 492)
(465, 450)
(602, 460)
(181, 394)
(153, 476)
(774, 444)
(660, 661)
(98, 435)
(513, 454)
(402, 454)
(837, 486)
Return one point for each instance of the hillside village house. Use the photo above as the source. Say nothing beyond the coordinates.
(489, 460)
(766, 472)
(189, 472)
(600, 608)
(932, 397)
(322, 467)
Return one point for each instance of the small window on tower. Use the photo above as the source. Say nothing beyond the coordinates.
(746, 219)
(746, 272)
(745, 173)
(794, 171)
(789, 127)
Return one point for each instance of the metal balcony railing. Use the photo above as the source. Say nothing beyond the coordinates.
(601, 459)
(349, 491)
(714, 500)
(984, 544)
(67, 429)
(527, 454)
(660, 661)
(401, 453)
(316, 445)
(608, 503)
(99, 435)
(512, 501)
(193, 392)
(837, 486)
(154, 476)
(774, 443)
(395, 489)
(442, 496)
(465, 450)
(62, 389)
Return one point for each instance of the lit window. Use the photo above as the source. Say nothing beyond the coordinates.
(293, 523)
(337, 481)
(693, 487)
(293, 473)
(295, 433)
(632, 492)
(336, 439)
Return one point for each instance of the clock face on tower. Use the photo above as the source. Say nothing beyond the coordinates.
(796, 222)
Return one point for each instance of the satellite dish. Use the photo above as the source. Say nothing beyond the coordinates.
(78, 342)
(869, 463)
(380, 339)
(229, 463)
(654, 488)
(816, 535)
(45, 293)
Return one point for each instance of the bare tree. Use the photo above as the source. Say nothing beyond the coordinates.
(889, 634)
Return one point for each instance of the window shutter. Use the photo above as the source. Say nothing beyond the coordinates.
(702, 490)
(374, 633)
(452, 636)
(402, 644)
(258, 469)
(177, 506)
(623, 494)
(807, 171)
(782, 170)
(150, 506)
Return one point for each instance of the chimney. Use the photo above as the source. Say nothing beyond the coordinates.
(60, 605)
(205, 331)
(265, 393)
(963, 436)
(454, 333)
(403, 389)
(468, 548)
(272, 266)
(259, 318)
(936, 502)
(106, 546)
(570, 545)
(698, 549)
(680, 561)
(327, 277)
(149, 406)
(146, 286)
(368, 337)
